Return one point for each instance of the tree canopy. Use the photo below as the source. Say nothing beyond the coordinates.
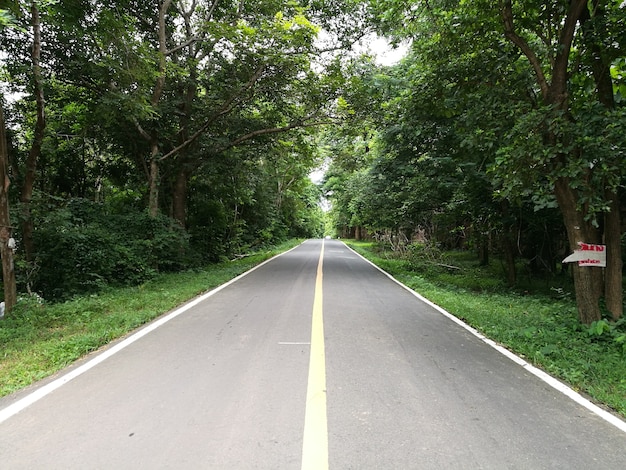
(201, 113)
(501, 131)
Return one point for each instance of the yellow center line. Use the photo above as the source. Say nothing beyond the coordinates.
(315, 441)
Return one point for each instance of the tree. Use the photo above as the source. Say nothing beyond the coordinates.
(6, 229)
(6, 250)
(542, 107)
(149, 103)
(218, 76)
(28, 17)
(582, 186)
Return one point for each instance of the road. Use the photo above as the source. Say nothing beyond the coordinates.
(308, 362)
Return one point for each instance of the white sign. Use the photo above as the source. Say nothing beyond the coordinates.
(588, 255)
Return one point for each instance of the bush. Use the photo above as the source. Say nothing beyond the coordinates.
(81, 248)
(428, 258)
(209, 229)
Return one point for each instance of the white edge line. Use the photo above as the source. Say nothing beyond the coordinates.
(38, 394)
(553, 382)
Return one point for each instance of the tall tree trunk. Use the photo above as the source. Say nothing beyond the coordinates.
(587, 279)
(6, 251)
(601, 69)
(181, 183)
(159, 86)
(35, 150)
(179, 197)
(154, 181)
(151, 136)
(554, 91)
(613, 290)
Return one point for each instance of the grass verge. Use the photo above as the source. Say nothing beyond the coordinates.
(537, 326)
(39, 339)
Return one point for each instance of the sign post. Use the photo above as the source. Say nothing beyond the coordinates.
(588, 255)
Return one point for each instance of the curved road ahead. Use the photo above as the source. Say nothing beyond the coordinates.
(308, 362)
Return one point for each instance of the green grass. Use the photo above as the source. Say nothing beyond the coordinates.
(39, 339)
(538, 321)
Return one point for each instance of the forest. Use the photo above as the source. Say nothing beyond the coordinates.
(141, 137)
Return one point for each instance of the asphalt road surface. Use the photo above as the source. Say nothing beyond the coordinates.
(308, 362)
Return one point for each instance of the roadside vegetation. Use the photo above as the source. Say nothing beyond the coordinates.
(537, 320)
(493, 134)
(40, 338)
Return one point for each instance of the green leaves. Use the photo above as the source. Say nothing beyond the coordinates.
(610, 331)
(8, 20)
(618, 74)
(204, 88)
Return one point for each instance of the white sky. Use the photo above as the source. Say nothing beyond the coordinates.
(385, 54)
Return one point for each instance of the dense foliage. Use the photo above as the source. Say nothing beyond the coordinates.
(143, 135)
(501, 131)
(82, 247)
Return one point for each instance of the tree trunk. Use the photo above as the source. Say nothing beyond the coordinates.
(508, 247)
(587, 279)
(35, 150)
(179, 197)
(613, 290)
(185, 169)
(554, 91)
(483, 250)
(6, 251)
(154, 177)
(151, 136)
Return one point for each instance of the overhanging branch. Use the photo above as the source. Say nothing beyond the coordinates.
(511, 34)
(226, 108)
(268, 131)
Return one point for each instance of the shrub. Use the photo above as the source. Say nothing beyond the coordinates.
(81, 248)
(209, 229)
(427, 257)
